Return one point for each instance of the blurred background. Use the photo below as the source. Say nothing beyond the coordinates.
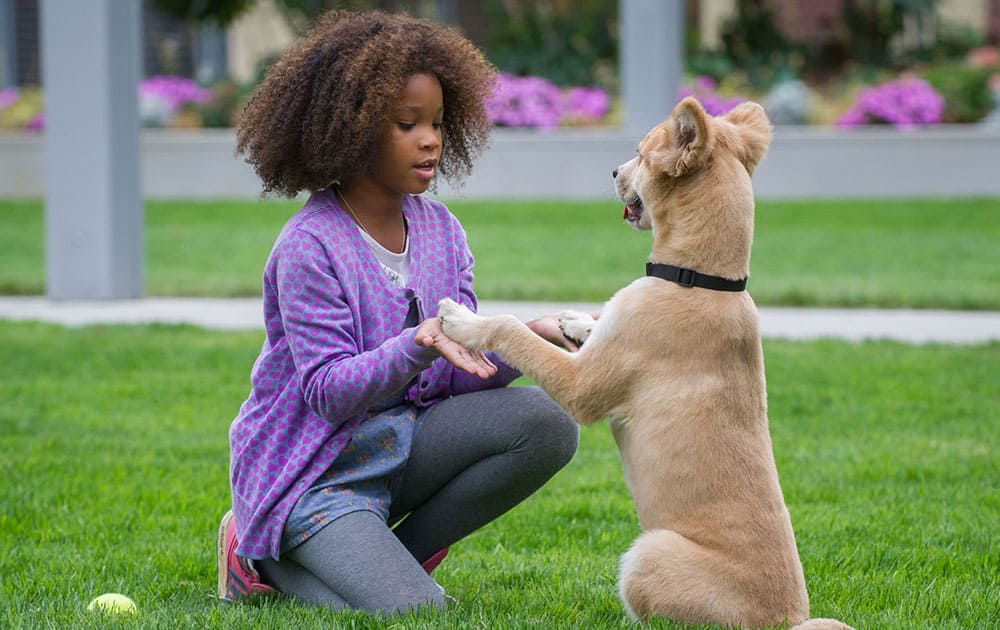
(824, 62)
(871, 100)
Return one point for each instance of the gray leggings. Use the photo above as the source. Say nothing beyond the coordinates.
(473, 458)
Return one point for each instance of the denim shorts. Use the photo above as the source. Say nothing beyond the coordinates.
(363, 477)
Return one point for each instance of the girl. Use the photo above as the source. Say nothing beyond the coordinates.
(370, 442)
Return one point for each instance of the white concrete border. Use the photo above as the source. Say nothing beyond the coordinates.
(909, 326)
(803, 162)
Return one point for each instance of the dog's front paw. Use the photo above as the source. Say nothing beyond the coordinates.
(462, 325)
(576, 326)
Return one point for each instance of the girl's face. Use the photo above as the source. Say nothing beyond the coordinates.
(411, 148)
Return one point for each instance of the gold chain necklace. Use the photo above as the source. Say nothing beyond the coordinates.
(347, 205)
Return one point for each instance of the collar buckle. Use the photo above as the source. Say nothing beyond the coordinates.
(686, 277)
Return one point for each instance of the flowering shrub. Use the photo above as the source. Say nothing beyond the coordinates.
(984, 57)
(8, 96)
(524, 102)
(904, 103)
(536, 102)
(586, 105)
(21, 109)
(944, 94)
(162, 97)
(704, 89)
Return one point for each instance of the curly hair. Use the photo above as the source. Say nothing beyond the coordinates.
(320, 112)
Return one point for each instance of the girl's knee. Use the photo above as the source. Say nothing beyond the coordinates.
(549, 425)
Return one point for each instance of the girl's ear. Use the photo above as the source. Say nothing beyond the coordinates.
(753, 133)
(686, 139)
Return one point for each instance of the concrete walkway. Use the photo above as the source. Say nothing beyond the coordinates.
(911, 326)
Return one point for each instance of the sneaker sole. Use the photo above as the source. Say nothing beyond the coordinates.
(221, 556)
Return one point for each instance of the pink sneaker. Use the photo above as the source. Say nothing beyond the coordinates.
(237, 577)
(431, 563)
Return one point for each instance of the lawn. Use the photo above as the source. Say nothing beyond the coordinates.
(114, 458)
(911, 253)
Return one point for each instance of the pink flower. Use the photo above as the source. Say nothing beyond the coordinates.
(984, 57)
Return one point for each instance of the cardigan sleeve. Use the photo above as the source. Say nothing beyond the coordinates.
(338, 379)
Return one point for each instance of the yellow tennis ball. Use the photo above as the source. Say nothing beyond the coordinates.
(113, 603)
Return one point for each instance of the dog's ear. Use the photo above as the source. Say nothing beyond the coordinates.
(753, 133)
(688, 142)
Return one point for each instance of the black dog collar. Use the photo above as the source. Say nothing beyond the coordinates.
(691, 278)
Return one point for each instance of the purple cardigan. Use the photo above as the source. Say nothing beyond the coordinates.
(335, 345)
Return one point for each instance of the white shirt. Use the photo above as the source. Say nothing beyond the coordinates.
(397, 266)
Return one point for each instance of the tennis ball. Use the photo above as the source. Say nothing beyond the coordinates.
(113, 603)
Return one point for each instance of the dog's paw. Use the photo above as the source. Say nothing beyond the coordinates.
(576, 326)
(461, 324)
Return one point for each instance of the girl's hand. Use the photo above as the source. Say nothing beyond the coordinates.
(429, 335)
(548, 329)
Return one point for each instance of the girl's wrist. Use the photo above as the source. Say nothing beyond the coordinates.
(417, 349)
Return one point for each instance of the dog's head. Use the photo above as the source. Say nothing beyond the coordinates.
(691, 179)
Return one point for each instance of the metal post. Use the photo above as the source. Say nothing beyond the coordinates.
(651, 46)
(93, 205)
(8, 45)
(210, 61)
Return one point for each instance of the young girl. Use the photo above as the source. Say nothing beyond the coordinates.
(370, 442)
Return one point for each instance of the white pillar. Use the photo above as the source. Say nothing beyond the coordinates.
(93, 204)
(651, 51)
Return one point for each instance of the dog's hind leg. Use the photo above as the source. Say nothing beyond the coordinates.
(664, 574)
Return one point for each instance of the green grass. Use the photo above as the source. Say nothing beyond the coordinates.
(911, 253)
(114, 464)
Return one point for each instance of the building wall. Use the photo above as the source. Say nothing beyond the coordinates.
(254, 37)
(972, 13)
(711, 15)
(816, 22)
(994, 21)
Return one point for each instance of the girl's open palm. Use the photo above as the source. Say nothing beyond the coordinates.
(429, 335)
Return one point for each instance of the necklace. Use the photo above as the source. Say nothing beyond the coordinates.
(347, 205)
(354, 215)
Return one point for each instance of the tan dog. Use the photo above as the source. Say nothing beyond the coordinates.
(679, 371)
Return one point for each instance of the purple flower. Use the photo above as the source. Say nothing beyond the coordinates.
(524, 102)
(703, 89)
(536, 102)
(9, 96)
(588, 104)
(173, 92)
(905, 103)
(37, 123)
